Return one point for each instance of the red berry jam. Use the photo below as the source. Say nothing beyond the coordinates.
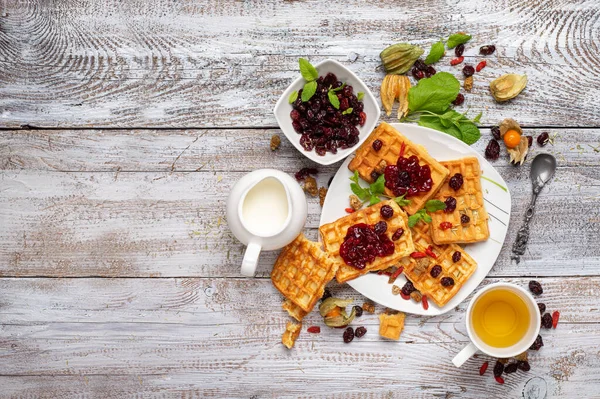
(362, 245)
(407, 177)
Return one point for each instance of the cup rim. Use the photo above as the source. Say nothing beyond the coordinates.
(522, 348)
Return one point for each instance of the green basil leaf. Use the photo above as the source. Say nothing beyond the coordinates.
(347, 111)
(308, 72)
(309, 90)
(470, 132)
(434, 122)
(379, 186)
(433, 94)
(293, 97)
(445, 122)
(457, 38)
(435, 205)
(333, 99)
(401, 201)
(437, 51)
(360, 95)
(359, 191)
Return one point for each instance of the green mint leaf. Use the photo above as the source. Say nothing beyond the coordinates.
(360, 95)
(347, 111)
(338, 88)
(470, 132)
(309, 90)
(478, 117)
(401, 201)
(457, 38)
(354, 177)
(293, 97)
(374, 200)
(426, 218)
(379, 186)
(446, 123)
(359, 191)
(435, 205)
(437, 51)
(434, 94)
(414, 219)
(333, 99)
(308, 72)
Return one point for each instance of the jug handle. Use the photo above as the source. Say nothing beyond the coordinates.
(251, 259)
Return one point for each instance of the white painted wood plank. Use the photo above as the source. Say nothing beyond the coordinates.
(173, 224)
(191, 335)
(184, 64)
(223, 150)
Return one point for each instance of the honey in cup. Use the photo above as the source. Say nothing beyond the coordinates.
(500, 318)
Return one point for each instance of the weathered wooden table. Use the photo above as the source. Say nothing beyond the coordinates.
(125, 124)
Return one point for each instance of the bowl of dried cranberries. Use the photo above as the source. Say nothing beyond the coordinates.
(328, 112)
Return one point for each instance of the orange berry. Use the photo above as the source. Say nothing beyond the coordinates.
(512, 138)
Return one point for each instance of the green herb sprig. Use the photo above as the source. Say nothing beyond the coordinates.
(458, 38)
(430, 206)
(437, 51)
(375, 190)
(310, 74)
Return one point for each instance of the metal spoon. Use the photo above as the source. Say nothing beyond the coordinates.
(542, 170)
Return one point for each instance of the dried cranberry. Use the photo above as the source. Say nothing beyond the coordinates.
(418, 74)
(408, 177)
(362, 118)
(386, 211)
(397, 234)
(348, 335)
(362, 245)
(524, 365)
(459, 99)
(450, 204)
(430, 71)
(358, 310)
(380, 227)
(496, 132)
(537, 344)
(498, 369)
(510, 368)
(456, 256)
(468, 70)
(377, 144)
(543, 139)
(547, 321)
(360, 332)
(447, 281)
(529, 140)
(375, 175)
(487, 49)
(304, 172)
(464, 219)
(492, 151)
(408, 288)
(535, 287)
(456, 181)
(542, 307)
(420, 65)
(314, 329)
(435, 271)
(459, 50)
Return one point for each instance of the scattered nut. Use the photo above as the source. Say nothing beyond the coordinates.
(275, 142)
(310, 186)
(322, 194)
(368, 307)
(468, 85)
(522, 357)
(355, 202)
(380, 168)
(416, 296)
(396, 290)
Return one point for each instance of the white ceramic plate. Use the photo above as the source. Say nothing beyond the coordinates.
(497, 203)
(371, 108)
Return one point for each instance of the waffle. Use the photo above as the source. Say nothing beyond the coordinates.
(427, 285)
(469, 201)
(367, 159)
(292, 330)
(301, 272)
(333, 235)
(294, 310)
(391, 325)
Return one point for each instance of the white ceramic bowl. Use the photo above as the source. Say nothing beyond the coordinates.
(371, 108)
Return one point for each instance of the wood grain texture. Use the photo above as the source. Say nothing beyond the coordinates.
(203, 337)
(205, 64)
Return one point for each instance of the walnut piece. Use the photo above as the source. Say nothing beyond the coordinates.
(275, 142)
(322, 194)
(396, 290)
(416, 296)
(355, 202)
(368, 307)
(468, 85)
(380, 168)
(310, 186)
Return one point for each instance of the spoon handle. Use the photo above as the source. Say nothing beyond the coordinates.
(520, 244)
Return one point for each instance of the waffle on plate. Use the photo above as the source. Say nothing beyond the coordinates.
(367, 160)
(419, 270)
(301, 272)
(469, 201)
(333, 235)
